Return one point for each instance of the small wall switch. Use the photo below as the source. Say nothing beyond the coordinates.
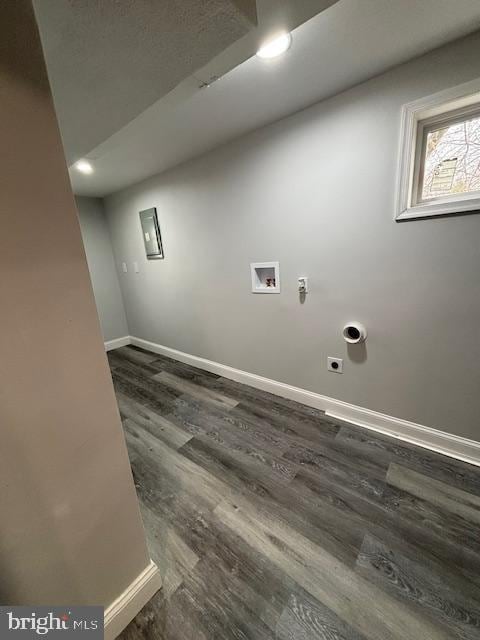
(135, 267)
(335, 365)
(124, 267)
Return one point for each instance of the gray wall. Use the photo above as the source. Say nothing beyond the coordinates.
(101, 265)
(316, 192)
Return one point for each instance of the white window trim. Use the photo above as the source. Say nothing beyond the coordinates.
(417, 117)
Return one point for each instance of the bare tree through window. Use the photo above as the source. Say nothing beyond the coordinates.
(452, 160)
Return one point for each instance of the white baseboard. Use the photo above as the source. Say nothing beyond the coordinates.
(432, 439)
(442, 442)
(131, 601)
(118, 342)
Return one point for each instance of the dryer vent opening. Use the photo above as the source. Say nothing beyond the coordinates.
(354, 333)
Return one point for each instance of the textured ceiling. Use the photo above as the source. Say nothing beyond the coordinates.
(126, 75)
(340, 47)
(109, 60)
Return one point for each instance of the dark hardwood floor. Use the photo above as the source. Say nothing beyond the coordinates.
(270, 520)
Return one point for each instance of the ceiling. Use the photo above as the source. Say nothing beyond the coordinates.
(108, 61)
(343, 45)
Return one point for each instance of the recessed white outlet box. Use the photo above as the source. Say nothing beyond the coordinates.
(335, 365)
(135, 267)
(124, 267)
(265, 277)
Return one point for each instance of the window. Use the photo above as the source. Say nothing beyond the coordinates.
(440, 154)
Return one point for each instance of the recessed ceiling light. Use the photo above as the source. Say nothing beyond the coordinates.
(275, 47)
(84, 166)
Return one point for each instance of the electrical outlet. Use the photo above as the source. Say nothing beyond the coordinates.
(124, 267)
(335, 365)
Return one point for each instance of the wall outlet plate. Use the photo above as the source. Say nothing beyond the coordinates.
(335, 365)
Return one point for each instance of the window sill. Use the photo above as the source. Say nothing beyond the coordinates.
(432, 209)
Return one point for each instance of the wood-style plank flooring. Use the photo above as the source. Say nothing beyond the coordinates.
(270, 520)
